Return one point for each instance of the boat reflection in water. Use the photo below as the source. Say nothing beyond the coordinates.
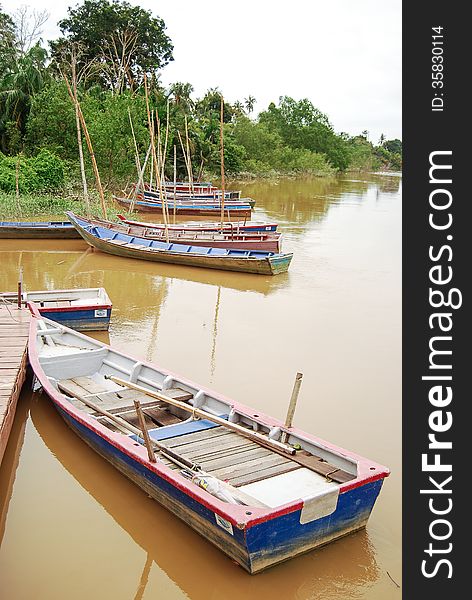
(171, 548)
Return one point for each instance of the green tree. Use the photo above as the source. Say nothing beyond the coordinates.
(394, 146)
(127, 39)
(301, 125)
(8, 43)
(25, 78)
(249, 103)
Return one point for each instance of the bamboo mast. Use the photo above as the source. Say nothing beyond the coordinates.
(189, 175)
(153, 149)
(79, 133)
(136, 152)
(166, 140)
(175, 178)
(140, 182)
(161, 160)
(89, 145)
(188, 157)
(222, 154)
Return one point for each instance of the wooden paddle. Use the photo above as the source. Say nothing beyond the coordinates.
(253, 435)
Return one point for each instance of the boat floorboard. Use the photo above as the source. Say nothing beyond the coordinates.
(121, 403)
(226, 455)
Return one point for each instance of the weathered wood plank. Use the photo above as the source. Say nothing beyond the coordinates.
(264, 474)
(179, 394)
(89, 385)
(197, 436)
(161, 416)
(132, 419)
(233, 458)
(210, 446)
(250, 467)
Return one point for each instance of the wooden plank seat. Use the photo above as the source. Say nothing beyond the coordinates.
(120, 403)
(240, 461)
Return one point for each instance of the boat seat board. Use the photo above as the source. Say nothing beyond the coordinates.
(120, 402)
(182, 430)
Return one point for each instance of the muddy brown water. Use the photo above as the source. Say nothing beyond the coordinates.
(72, 527)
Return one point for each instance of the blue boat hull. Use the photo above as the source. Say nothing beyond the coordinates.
(85, 319)
(256, 547)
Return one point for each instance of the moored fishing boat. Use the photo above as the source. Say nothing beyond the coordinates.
(239, 211)
(82, 309)
(228, 226)
(196, 189)
(266, 241)
(121, 244)
(223, 468)
(37, 229)
(195, 198)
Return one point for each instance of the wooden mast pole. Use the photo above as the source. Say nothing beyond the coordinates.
(222, 154)
(89, 145)
(156, 167)
(292, 405)
(175, 178)
(190, 174)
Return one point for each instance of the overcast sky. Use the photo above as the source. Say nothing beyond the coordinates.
(344, 55)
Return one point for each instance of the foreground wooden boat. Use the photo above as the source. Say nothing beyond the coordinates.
(239, 211)
(37, 229)
(267, 242)
(82, 309)
(121, 244)
(227, 474)
(228, 227)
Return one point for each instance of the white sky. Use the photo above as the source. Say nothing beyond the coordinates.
(344, 55)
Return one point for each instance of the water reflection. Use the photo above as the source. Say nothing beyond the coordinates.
(198, 569)
(11, 458)
(335, 316)
(299, 201)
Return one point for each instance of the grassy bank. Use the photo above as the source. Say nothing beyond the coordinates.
(42, 206)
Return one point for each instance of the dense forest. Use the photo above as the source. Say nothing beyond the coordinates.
(106, 51)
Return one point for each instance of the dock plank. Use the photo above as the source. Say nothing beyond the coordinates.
(14, 330)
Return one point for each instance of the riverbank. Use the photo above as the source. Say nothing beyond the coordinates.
(45, 206)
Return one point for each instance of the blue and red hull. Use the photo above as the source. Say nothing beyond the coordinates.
(255, 546)
(83, 318)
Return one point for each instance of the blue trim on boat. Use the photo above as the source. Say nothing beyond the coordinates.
(43, 224)
(178, 207)
(262, 544)
(110, 235)
(171, 431)
(80, 320)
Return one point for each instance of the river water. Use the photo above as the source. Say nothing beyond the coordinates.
(72, 527)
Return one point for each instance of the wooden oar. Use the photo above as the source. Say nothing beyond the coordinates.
(167, 452)
(174, 457)
(253, 435)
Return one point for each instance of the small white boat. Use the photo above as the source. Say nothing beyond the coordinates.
(82, 309)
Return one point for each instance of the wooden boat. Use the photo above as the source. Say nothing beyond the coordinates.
(121, 244)
(82, 309)
(195, 198)
(268, 242)
(220, 466)
(240, 211)
(196, 189)
(37, 229)
(228, 227)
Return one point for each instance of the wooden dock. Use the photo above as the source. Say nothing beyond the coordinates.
(14, 328)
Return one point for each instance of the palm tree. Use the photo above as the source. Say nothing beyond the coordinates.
(249, 102)
(181, 93)
(24, 79)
